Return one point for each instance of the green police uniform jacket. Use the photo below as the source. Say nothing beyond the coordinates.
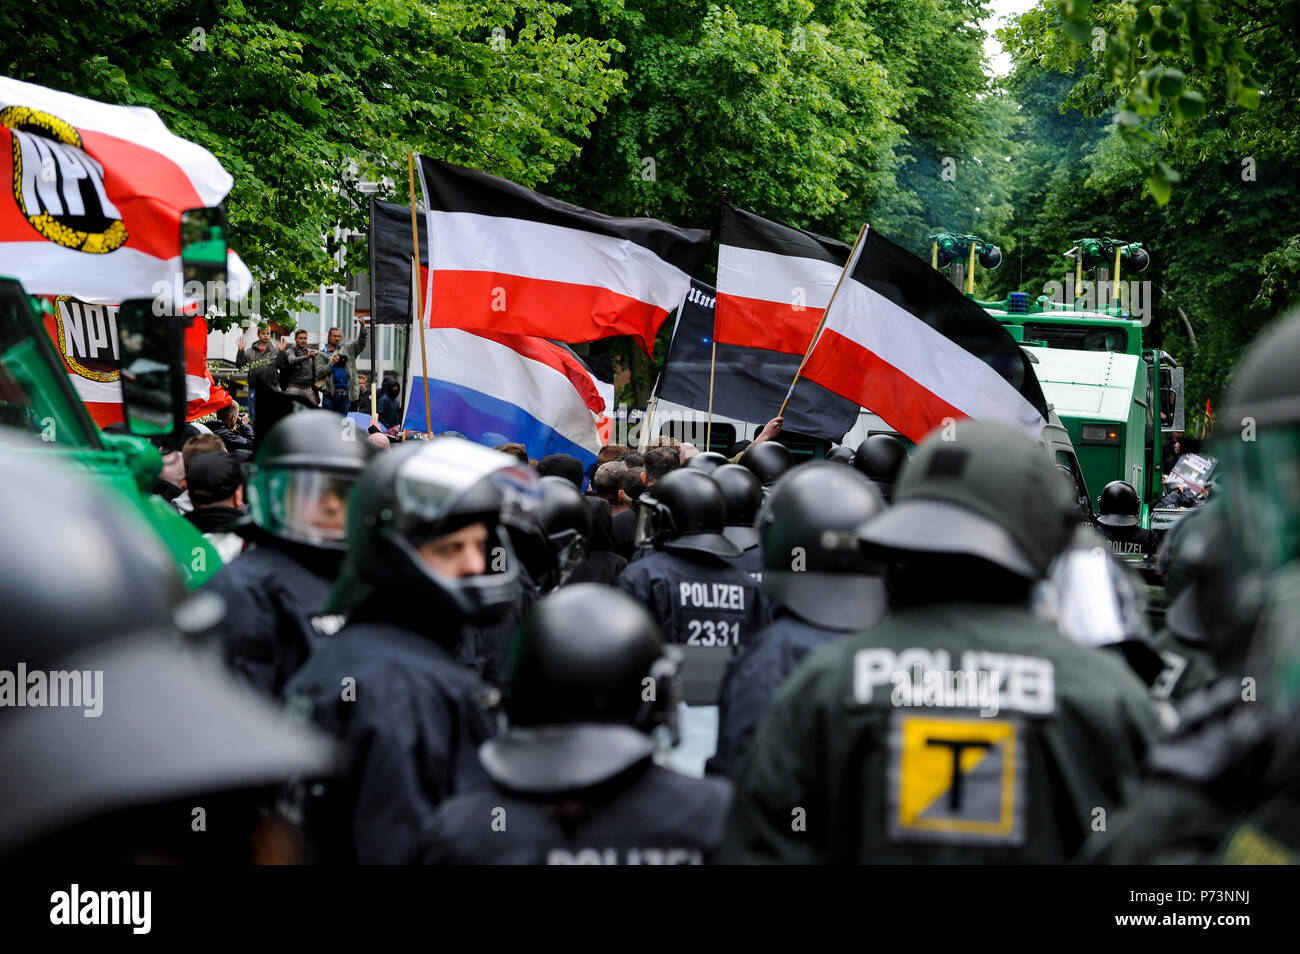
(955, 732)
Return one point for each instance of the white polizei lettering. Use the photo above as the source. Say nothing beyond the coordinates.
(728, 596)
(987, 681)
(871, 669)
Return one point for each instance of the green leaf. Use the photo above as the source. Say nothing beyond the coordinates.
(1160, 189)
(1190, 104)
(1077, 31)
(1170, 83)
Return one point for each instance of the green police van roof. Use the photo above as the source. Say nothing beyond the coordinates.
(1098, 385)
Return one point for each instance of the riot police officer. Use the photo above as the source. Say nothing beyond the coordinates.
(427, 552)
(961, 727)
(881, 457)
(567, 521)
(820, 584)
(112, 773)
(743, 495)
(574, 779)
(708, 462)
(840, 454)
(1225, 786)
(1117, 522)
(768, 460)
(298, 486)
(692, 593)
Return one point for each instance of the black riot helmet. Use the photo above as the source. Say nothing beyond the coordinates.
(90, 590)
(685, 511)
(743, 495)
(768, 460)
(812, 564)
(590, 679)
(881, 457)
(301, 476)
(78, 566)
(707, 462)
(1118, 505)
(567, 520)
(840, 454)
(417, 493)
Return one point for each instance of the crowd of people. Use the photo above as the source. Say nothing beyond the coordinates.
(478, 656)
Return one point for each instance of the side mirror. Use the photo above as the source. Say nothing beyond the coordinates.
(1172, 402)
(151, 348)
(203, 255)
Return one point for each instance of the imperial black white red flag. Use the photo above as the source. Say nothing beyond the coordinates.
(903, 342)
(509, 260)
(774, 282)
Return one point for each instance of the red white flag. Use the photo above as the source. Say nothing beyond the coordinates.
(509, 260)
(85, 336)
(902, 342)
(91, 196)
(774, 282)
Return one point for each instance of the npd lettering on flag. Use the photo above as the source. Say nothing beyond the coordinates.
(91, 196)
(509, 260)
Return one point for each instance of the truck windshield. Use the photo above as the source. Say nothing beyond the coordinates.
(1076, 338)
(35, 394)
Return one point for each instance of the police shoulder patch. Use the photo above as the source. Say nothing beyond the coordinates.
(957, 780)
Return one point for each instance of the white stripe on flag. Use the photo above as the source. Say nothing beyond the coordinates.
(769, 276)
(102, 279)
(927, 357)
(135, 124)
(469, 241)
(463, 358)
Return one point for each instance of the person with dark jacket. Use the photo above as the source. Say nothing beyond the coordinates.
(623, 525)
(298, 488)
(601, 564)
(390, 404)
(261, 358)
(821, 586)
(216, 485)
(575, 777)
(233, 429)
(297, 368)
(422, 523)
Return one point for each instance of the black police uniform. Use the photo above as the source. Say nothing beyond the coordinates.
(275, 595)
(697, 600)
(1129, 541)
(645, 816)
(485, 647)
(753, 680)
(413, 725)
(389, 684)
(574, 779)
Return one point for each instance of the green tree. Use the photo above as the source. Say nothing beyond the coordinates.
(300, 99)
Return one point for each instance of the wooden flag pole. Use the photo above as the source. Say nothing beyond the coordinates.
(713, 360)
(852, 260)
(419, 312)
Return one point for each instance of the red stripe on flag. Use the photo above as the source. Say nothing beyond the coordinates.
(535, 306)
(770, 325)
(842, 365)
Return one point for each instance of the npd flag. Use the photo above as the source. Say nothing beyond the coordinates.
(509, 260)
(91, 195)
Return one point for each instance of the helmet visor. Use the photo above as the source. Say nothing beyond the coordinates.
(307, 506)
(654, 522)
(1092, 598)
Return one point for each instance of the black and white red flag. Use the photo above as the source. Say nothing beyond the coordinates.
(774, 282)
(903, 342)
(509, 260)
